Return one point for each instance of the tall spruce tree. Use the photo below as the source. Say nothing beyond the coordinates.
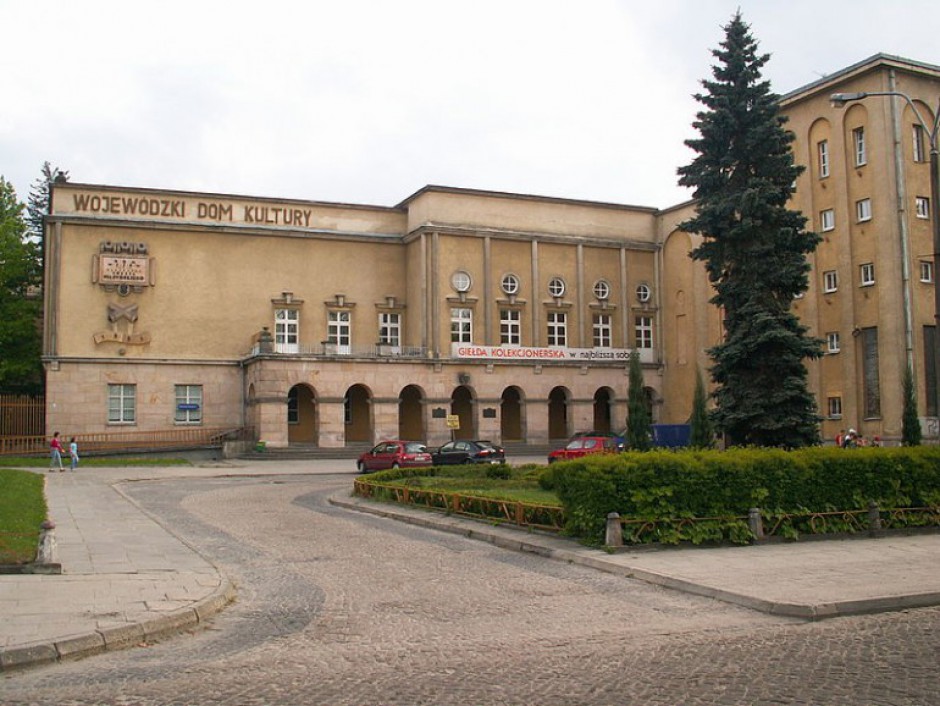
(702, 432)
(639, 431)
(754, 249)
(37, 207)
(911, 434)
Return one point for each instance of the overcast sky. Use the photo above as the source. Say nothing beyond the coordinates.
(368, 101)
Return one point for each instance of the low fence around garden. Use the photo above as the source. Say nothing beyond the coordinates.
(119, 442)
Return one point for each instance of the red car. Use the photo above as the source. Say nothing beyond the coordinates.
(584, 445)
(394, 454)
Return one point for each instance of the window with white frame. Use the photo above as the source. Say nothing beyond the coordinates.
(644, 332)
(822, 150)
(461, 325)
(557, 328)
(510, 327)
(339, 331)
(833, 344)
(293, 406)
(834, 405)
(920, 152)
(602, 290)
(858, 142)
(603, 331)
(827, 219)
(510, 284)
(922, 206)
(830, 281)
(390, 329)
(863, 210)
(866, 273)
(122, 404)
(286, 330)
(188, 404)
(643, 293)
(556, 287)
(926, 271)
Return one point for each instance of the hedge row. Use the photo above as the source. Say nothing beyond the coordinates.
(662, 485)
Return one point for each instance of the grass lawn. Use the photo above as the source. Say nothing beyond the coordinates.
(521, 486)
(22, 510)
(43, 461)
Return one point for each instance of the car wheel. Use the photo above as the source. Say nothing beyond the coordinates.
(395, 466)
(360, 466)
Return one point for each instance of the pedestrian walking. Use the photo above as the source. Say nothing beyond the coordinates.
(73, 452)
(55, 449)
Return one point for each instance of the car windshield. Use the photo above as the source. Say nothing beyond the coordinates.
(576, 444)
(413, 447)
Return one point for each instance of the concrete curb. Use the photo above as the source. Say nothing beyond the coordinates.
(119, 637)
(510, 537)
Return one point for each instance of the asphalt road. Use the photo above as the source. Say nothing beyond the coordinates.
(336, 607)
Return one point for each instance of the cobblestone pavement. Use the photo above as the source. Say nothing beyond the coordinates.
(339, 608)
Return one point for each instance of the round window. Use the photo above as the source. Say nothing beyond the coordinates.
(643, 292)
(461, 281)
(556, 287)
(510, 284)
(601, 289)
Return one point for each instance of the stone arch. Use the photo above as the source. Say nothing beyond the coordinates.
(411, 425)
(462, 402)
(357, 404)
(302, 415)
(512, 415)
(559, 426)
(603, 409)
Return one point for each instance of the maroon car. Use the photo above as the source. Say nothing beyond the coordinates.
(394, 454)
(584, 445)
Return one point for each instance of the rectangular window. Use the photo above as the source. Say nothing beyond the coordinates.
(557, 328)
(823, 153)
(835, 407)
(866, 274)
(188, 404)
(922, 206)
(830, 281)
(287, 331)
(644, 332)
(122, 404)
(339, 331)
(930, 370)
(858, 141)
(833, 343)
(870, 375)
(390, 329)
(461, 325)
(510, 327)
(827, 219)
(863, 210)
(920, 153)
(603, 331)
(926, 271)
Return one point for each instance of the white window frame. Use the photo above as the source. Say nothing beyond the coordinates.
(286, 330)
(926, 271)
(339, 331)
(390, 329)
(919, 150)
(461, 325)
(833, 342)
(602, 290)
(834, 407)
(644, 332)
(830, 281)
(643, 292)
(827, 219)
(603, 331)
(122, 403)
(822, 150)
(510, 284)
(866, 274)
(187, 394)
(556, 287)
(858, 143)
(922, 207)
(863, 210)
(461, 281)
(557, 329)
(510, 327)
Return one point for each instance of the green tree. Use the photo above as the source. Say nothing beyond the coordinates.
(639, 432)
(37, 207)
(910, 423)
(702, 433)
(20, 300)
(754, 249)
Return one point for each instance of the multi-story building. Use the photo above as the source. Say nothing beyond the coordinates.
(335, 323)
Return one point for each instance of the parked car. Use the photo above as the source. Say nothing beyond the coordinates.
(582, 446)
(468, 451)
(394, 454)
(619, 439)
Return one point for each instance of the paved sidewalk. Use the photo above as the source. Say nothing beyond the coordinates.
(127, 579)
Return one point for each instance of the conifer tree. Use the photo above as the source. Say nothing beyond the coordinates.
(702, 433)
(754, 249)
(639, 431)
(911, 434)
(38, 204)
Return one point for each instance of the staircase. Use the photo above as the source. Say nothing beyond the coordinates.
(299, 452)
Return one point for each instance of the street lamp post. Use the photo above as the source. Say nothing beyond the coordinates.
(839, 100)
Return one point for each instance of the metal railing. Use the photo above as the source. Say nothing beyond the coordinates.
(104, 442)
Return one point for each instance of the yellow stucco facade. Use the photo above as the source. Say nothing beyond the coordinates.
(334, 324)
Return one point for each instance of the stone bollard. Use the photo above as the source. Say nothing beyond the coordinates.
(755, 523)
(614, 536)
(48, 551)
(874, 517)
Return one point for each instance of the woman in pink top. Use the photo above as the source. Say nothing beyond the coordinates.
(56, 458)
